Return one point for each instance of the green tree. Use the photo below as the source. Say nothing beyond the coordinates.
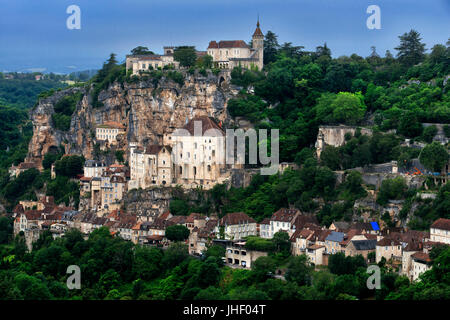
(299, 270)
(271, 47)
(263, 267)
(177, 233)
(411, 50)
(185, 55)
(140, 50)
(434, 156)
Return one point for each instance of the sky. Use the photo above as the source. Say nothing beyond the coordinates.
(34, 35)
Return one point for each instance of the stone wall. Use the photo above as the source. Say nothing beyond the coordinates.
(335, 136)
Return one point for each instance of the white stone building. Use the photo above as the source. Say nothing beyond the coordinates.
(440, 231)
(233, 53)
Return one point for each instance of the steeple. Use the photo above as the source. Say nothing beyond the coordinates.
(258, 32)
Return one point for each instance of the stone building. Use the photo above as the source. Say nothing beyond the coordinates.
(149, 166)
(440, 231)
(109, 131)
(233, 53)
(147, 62)
(194, 156)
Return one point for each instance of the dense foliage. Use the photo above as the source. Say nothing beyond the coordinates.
(113, 269)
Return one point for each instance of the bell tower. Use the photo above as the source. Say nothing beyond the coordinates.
(258, 45)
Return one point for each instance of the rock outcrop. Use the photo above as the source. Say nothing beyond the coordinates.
(147, 108)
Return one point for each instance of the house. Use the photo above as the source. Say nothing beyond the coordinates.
(362, 247)
(333, 242)
(264, 229)
(300, 240)
(283, 220)
(236, 225)
(109, 131)
(339, 226)
(234, 53)
(389, 248)
(195, 220)
(407, 261)
(138, 64)
(15, 171)
(440, 231)
(421, 262)
(236, 255)
(201, 237)
(93, 168)
(315, 254)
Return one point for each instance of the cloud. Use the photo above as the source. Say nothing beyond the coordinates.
(71, 67)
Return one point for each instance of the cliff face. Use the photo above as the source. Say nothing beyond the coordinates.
(147, 110)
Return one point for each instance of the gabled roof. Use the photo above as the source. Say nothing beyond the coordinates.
(388, 241)
(207, 123)
(443, 224)
(194, 216)
(236, 218)
(421, 257)
(153, 149)
(228, 44)
(284, 215)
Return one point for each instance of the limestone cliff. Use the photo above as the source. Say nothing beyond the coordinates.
(147, 108)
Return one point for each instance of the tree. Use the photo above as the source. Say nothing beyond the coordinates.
(262, 267)
(177, 233)
(409, 125)
(119, 155)
(205, 61)
(185, 55)
(429, 133)
(6, 229)
(434, 156)
(281, 241)
(348, 108)
(271, 47)
(299, 270)
(411, 50)
(140, 50)
(147, 262)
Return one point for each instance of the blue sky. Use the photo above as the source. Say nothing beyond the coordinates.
(33, 33)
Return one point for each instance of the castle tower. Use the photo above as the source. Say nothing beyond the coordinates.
(258, 45)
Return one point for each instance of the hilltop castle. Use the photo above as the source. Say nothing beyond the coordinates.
(226, 54)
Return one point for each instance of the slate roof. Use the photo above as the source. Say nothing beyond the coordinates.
(335, 236)
(364, 244)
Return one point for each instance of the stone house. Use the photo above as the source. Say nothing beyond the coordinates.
(109, 131)
(362, 247)
(236, 225)
(237, 256)
(421, 262)
(233, 53)
(440, 231)
(389, 248)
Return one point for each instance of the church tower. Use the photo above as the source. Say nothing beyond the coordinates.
(258, 45)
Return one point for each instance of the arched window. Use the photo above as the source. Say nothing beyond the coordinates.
(195, 171)
(209, 167)
(181, 169)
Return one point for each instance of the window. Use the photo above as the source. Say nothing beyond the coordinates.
(195, 171)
